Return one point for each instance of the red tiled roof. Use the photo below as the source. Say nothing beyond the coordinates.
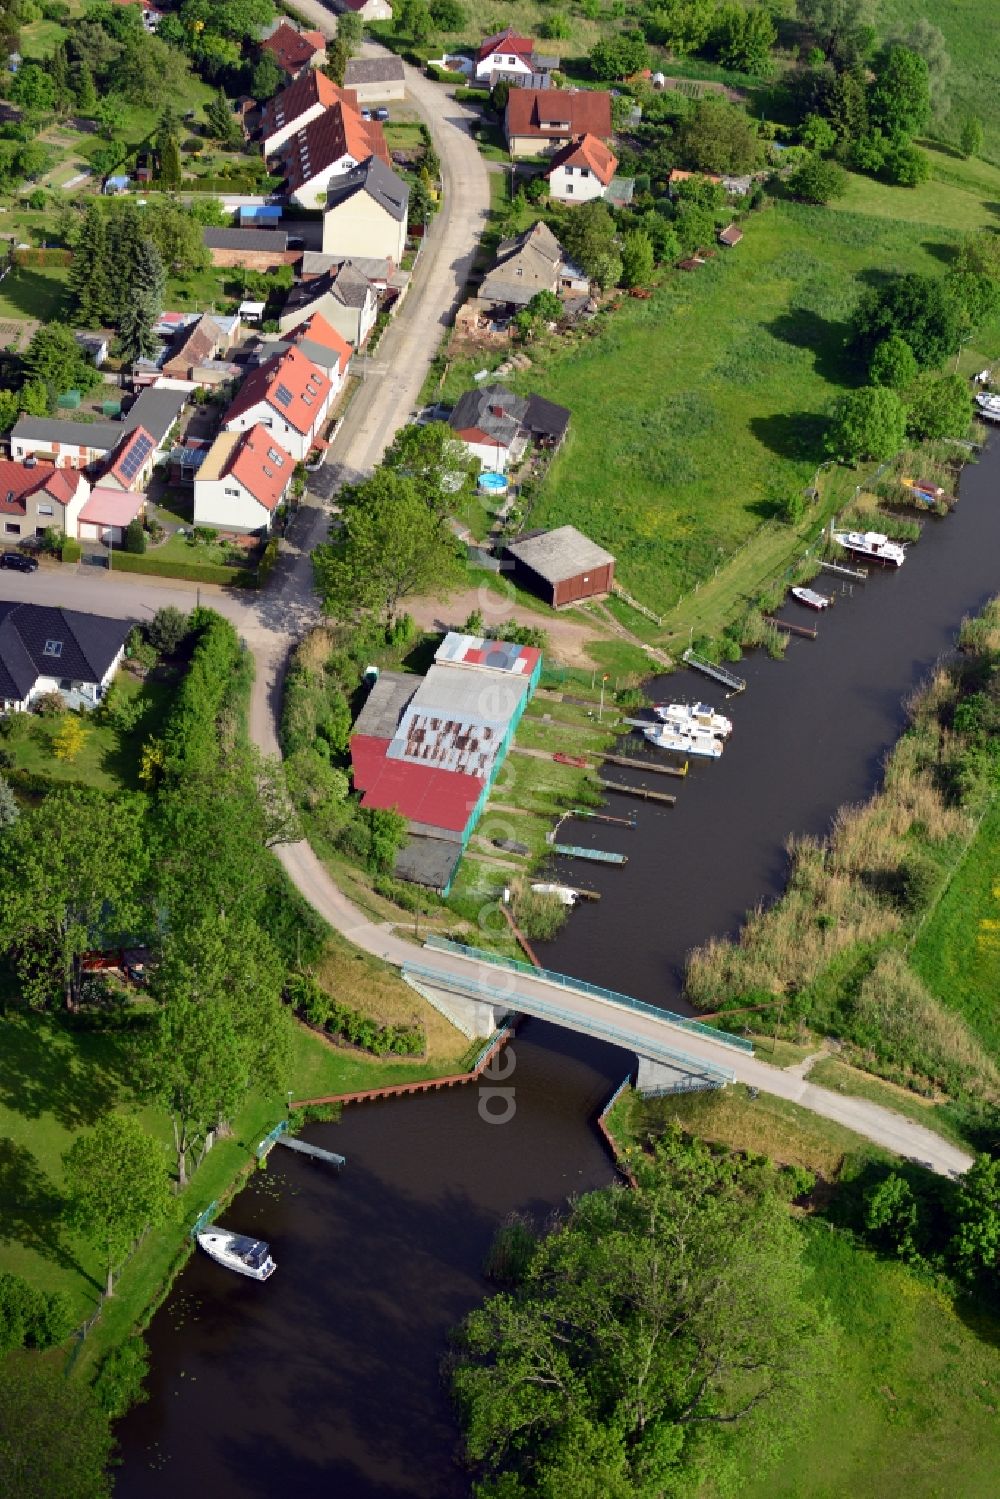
(677, 175)
(59, 486)
(138, 442)
(299, 97)
(16, 481)
(290, 49)
(557, 112)
(338, 132)
(199, 342)
(507, 41)
(587, 151)
(317, 328)
(291, 372)
(261, 465)
(421, 793)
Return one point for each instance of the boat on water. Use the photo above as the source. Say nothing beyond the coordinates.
(872, 546)
(694, 718)
(989, 406)
(239, 1252)
(811, 598)
(564, 893)
(684, 741)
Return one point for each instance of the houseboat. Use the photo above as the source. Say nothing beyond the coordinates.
(684, 742)
(695, 718)
(872, 546)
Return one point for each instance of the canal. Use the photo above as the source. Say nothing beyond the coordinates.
(327, 1379)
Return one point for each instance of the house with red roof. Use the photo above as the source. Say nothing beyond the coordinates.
(289, 394)
(295, 51)
(539, 122)
(297, 106)
(130, 466)
(241, 482)
(582, 170)
(513, 58)
(36, 496)
(331, 145)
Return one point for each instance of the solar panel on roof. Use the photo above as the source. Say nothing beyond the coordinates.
(283, 395)
(136, 456)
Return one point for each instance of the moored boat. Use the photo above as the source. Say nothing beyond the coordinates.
(989, 406)
(239, 1252)
(694, 718)
(684, 742)
(811, 598)
(873, 546)
(564, 893)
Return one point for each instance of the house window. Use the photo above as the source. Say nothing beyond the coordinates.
(569, 187)
(232, 491)
(584, 171)
(52, 648)
(12, 528)
(45, 510)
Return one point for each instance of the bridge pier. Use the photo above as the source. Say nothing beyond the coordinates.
(654, 1079)
(473, 1016)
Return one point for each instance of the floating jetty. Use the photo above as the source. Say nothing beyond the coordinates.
(729, 679)
(280, 1136)
(642, 792)
(595, 855)
(618, 822)
(808, 631)
(854, 573)
(631, 763)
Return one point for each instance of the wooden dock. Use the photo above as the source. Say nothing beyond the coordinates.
(809, 632)
(303, 1146)
(631, 763)
(854, 573)
(728, 679)
(617, 822)
(642, 792)
(594, 855)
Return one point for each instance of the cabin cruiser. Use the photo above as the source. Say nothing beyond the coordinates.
(872, 546)
(811, 598)
(239, 1252)
(565, 894)
(989, 406)
(684, 741)
(694, 717)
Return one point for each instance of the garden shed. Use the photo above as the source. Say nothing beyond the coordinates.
(563, 566)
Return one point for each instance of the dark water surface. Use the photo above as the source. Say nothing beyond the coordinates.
(325, 1381)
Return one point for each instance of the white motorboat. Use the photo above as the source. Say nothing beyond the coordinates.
(564, 893)
(989, 406)
(695, 718)
(684, 741)
(239, 1252)
(872, 546)
(811, 598)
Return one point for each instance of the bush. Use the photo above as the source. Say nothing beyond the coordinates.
(119, 1383)
(539, 915)
(192, 572)
(818, 181)
(168, 630)
(318, 1008)
(72, 551)
(30, 1318)
(120, 711)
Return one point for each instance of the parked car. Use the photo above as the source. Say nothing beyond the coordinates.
(382, 114)
(366, 114)
(19, 562)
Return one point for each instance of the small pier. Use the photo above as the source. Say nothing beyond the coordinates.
(642, 792)
(855, 573)
(595, 855)
(809, 632)
(617, 822)
(631, 763)
(280, 1136)
(729, 679)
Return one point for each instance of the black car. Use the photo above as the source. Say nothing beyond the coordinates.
(19, 561)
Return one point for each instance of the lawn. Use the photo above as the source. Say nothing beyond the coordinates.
(959, 195)
(32, 291)
(840, 1078)
(970, 33)
(957, 952)
(109, 758)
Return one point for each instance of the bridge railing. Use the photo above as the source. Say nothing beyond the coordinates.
(602, 1029)
(514, 965)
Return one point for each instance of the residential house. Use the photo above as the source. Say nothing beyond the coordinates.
(291, 396)
(376, 80)
(511, 58)
(344, 297)
(242, 480)
(159, 407)
(45, 649)
(333, 144)
(108, 514)
(295, 51)
(61, 442)
(130, 466)
(315, 264)
(200, 342)
(321, 342)
(366, 213)
(36, 496)
(297, 106)
(582, 170)
(251, 249)
(96, 346)
(368, 10)
(497, 426)
(530, 262)
(539, 122)
(563, 565)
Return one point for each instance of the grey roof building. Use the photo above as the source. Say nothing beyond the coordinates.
(378, 181)
(38, 641)
(273, 241)
(385, 703)
(156, 410)
(531, 262)
(96, 435)
(315, 263)
(365, 70)
(502, 416)
(564, 565)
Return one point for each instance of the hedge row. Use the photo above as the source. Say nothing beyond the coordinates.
(192, 572)
(43, 257)
(321, 1010)
(191, 740)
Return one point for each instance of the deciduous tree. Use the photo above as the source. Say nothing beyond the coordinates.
(920, 308)
(719, 137)
(818, 180)
(900, 98)
(116, 1184)
(892, 363)
(975, 1246)
(867, 423)
(938, 406)
(971, 136)
(619, 55)
(637, 258)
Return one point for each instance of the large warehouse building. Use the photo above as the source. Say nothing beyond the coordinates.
(562, 566)
(431, 747)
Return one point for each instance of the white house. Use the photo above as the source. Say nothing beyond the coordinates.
(65, 444)
(291, 396)
(242, 481)
(333, 143)
(343, 300)
(366, 213)
(582, 170)
(297, 106)
(368, 10)
(45, 649)
(512, 57)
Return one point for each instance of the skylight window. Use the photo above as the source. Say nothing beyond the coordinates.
(275, 456)
(52, 648)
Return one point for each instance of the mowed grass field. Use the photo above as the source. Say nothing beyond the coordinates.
(958, 195)
(725, 371)
(971, 30)
(957, 953)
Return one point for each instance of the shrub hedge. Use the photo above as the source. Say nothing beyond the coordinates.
(237, 577)
(320, 1009)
